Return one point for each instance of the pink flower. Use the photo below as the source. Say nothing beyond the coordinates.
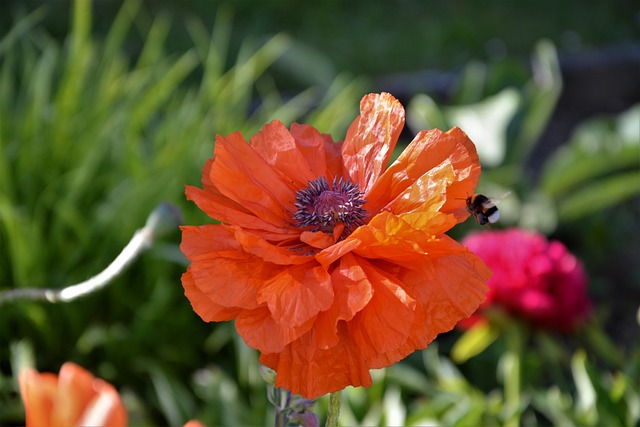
(533, 278)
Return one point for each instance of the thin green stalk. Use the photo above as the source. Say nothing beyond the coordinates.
(333, 412)
(162, 219)
(512, 374)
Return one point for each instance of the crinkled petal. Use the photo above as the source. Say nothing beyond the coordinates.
(384, 323)
(371, 139)
(392, 238)
(223, 209)
(335, 252)
(277, 147)
(418, 338)
(432, 149)
(395, 238)
(231, 281)
(425, 194)
(352, 292)
(206, 240)
(312, 372)
(449, 288)
(242, 175)
(466, 163)
(202, 304)
(220, 270)
(261, 331)
(269, 252)
(297, 293)
(323, 155)
(317, 239)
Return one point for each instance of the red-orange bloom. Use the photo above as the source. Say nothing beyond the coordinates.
(72, 398)
(330, 262)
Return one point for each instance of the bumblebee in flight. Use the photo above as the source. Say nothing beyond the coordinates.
(483, 209)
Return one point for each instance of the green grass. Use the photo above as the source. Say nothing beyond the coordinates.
(90, 143)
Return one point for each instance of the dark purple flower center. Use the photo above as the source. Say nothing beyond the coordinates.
(323, 206)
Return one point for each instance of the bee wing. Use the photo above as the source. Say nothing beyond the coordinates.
(501, 197)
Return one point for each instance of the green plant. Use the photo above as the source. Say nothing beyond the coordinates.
(91, 141)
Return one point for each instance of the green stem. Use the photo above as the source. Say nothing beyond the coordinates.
(333, 412)
(163, 219)
(512, 374)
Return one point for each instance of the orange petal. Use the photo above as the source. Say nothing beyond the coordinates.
(311, 372)
(277, 147)
(231, 281)
(223, 209)
(371, 139)
(267, 251)
(204, 307)
(317, 239)
(447, 289)
(335, 252)
(105, 409)
(418, 338)
(384, 324)
(206, 239)
(75, 391)
(352, 292)
(38, 394)
(467, 166)
(323, 155)
(296, 294)
(427, 193)
(456, 287)
(397, 238)
(74, 397)
(430, 150)
(206, 176)
(389, 237)
(222, 272)
(241, 174)
(260, 331)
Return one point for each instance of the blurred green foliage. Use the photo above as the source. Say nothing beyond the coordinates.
(91, 142)
(95, 131)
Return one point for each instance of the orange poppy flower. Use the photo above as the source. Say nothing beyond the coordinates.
(330, 262)
(72, 398)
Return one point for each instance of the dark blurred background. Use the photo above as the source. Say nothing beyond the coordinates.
(408, 47)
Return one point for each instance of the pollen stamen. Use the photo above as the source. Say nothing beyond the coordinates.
(323, 206)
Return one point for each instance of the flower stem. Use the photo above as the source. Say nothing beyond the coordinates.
(163, 218)
(333, 412)
(512, 374)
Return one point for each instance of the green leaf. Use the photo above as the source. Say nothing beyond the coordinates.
(600, 195)
(571, 166)
(486, 124)
(473, 342)
(395, 413)
(539, 99)
(586, 404)
(424, 113)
